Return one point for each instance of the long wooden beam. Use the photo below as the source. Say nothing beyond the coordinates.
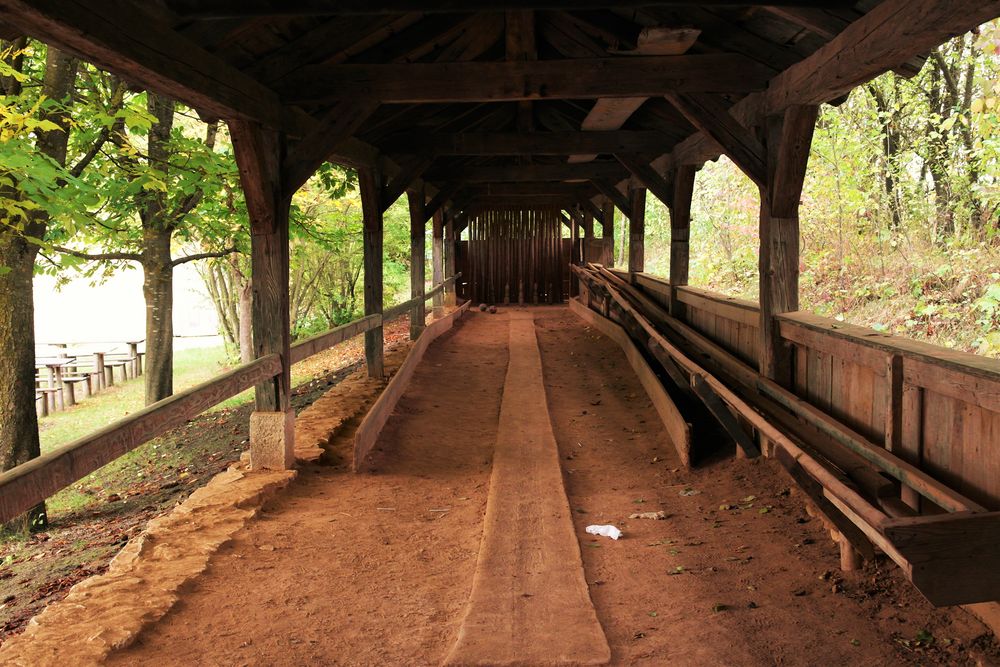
(415, 83)
(648, 176)
(892, 33)
(519, 174)
(619, 199)
(714, 120)
(125, 38)
(528, 143)
(218, 9)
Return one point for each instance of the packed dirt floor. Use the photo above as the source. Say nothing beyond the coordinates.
(376, 569)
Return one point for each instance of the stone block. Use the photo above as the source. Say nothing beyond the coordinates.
(272, 440)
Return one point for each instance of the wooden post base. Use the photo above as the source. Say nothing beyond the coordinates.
(272, 440)
(850, 559)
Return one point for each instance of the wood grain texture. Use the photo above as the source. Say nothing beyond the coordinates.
(31, 483)
(677, 428)
(371, 426)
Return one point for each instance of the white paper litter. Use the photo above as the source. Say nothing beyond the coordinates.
(606, 531)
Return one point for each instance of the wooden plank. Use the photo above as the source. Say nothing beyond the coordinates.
(258, 155)
(336, 125)
(324, 341)
(374, 421)
(216, 9)
(678, 430)
(951, 559)
(370, 184)
(608, 113)
(421, 83)
(26, 485)
(134, 41)
(526, 143)
(730, 308)
(457, 173)
(713, 119)
(648, 176)
(418, 261)
(614, 195)
(637, 231)
(437, 259)
(680, 233)
(721, 412)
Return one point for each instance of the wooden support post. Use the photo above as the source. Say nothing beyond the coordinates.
(608, 231)
(370, 183)
(574, 233)
(787, 141)
(260, 155)
(418, 262)
(850, 558)
(437, 261)
(450, 248)
(680, 231)
(637, 231)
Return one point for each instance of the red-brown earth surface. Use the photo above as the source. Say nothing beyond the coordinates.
(376, 569)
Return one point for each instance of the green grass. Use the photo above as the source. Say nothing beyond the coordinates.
(191, 367)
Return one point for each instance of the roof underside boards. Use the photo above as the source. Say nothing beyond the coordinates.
(546, 92)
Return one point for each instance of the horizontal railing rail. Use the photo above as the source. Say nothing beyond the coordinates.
(30, 483)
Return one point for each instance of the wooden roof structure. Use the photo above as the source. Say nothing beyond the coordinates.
(572, 94)
(522, 105)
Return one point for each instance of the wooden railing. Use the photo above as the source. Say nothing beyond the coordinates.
(910, 402)
(935, 408)
(29, 484)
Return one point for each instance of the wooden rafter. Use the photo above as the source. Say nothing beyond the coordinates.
(338, 124)
(535, 172)
(714, 120)
(528, 143)
(616, 196)
(655, 183)
(550, 79)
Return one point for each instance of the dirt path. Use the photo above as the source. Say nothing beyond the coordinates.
(376, 569)
(368, 569)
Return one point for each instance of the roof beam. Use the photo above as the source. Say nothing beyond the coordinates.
(123, 37)
(655, 183)
(643, 76)
(528, 143)
(892, 33)
(714, 120)
(216, 9)
(526, 174)
(616, 196)
(338, 124)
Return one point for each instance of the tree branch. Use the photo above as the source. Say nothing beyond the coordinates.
(203, 255)
(104, 256)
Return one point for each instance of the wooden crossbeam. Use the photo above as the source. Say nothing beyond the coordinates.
(892, 33)
(548, 188)
(655, 183)
(646, 76)
(440, 199)
(218, 9)
(338, 124)
(714, 120)
(528, 143)
(127, 39)
(529, 173)
(408, 173)
(616, 196)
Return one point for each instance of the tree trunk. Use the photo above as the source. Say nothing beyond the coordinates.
(18, 419)
(19, 441)
(158, 291)
(246, 319)
(157, 265)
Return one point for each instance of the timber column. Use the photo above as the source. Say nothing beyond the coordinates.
(787, 141)
(370, 183)
(450, 249)
(437, 260)
(637, 231)
(418, 261)
(260, 154)
(680, 234)
(608, 231)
